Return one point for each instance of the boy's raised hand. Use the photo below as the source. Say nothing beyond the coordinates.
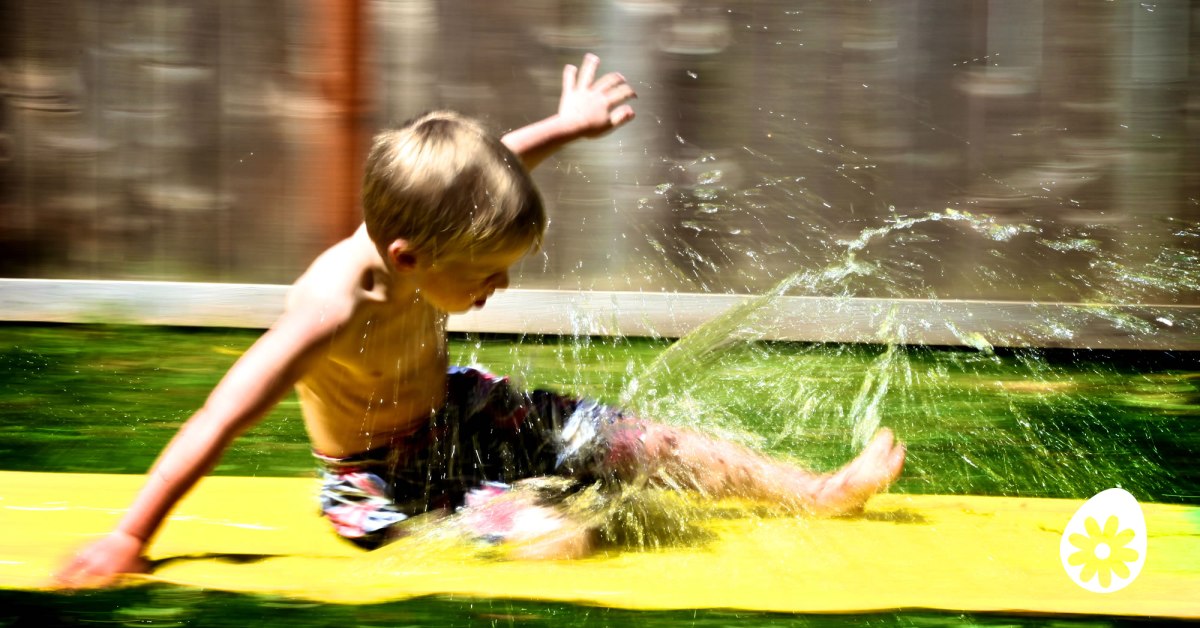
(591, 106)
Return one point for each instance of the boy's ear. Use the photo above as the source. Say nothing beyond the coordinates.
(403, 256)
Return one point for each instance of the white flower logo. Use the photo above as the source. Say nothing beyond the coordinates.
(1102, 553)
(1105, 558)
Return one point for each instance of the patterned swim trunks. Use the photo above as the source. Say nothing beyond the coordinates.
(487, 434)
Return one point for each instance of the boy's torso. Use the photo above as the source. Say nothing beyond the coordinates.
(384, 372)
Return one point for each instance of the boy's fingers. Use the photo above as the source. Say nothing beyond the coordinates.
(569, 73)
(69, 573)
(620, 94)
(75, 579)
(79, 573)
(621, 115)
(609, 81)
(587, 70)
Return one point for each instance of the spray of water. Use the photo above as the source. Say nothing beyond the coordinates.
(982, 419)
(1020, 423)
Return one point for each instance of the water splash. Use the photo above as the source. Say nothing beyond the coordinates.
(984, 420)
(865, 411)
(1037, 435)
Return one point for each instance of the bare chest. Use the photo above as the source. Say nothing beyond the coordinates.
(380, 378)
(391, 347)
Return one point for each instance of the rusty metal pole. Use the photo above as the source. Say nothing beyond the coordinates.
(340, 29)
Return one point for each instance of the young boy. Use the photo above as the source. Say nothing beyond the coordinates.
(448, 209)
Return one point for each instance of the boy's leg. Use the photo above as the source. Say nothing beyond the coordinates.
(496, 438)
(687, 459)
(564, 538)
(530, 528)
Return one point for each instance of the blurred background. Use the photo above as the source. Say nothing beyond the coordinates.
(205, 140)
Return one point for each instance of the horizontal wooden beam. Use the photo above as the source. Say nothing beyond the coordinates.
(977, 324)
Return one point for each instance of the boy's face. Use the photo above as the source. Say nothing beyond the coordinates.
(457, 283)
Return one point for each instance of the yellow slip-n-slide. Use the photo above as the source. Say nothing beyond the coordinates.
(961, 553)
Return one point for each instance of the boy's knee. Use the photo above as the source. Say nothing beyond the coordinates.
(635, 445)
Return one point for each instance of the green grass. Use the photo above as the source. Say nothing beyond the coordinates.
(166, 606)
(107, 398)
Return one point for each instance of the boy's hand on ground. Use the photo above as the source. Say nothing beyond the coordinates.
(592, 107)
(102, 562)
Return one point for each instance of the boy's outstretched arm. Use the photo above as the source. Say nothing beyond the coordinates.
(251, 387)
(589, 107)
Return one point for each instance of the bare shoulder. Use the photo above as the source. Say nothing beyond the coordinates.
(341, 281)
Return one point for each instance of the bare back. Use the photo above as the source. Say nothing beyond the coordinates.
(384, 371)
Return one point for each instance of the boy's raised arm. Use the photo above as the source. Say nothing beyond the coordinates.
(258, 380)
(589, 107)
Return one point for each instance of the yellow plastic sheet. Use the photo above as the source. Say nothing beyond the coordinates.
(966, 553)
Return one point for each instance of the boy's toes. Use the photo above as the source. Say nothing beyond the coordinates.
(884, 440)
(895, 462)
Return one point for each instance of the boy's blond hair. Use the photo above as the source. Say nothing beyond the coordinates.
(445, 185)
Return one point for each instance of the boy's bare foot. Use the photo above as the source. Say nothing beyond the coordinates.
(847, 490)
